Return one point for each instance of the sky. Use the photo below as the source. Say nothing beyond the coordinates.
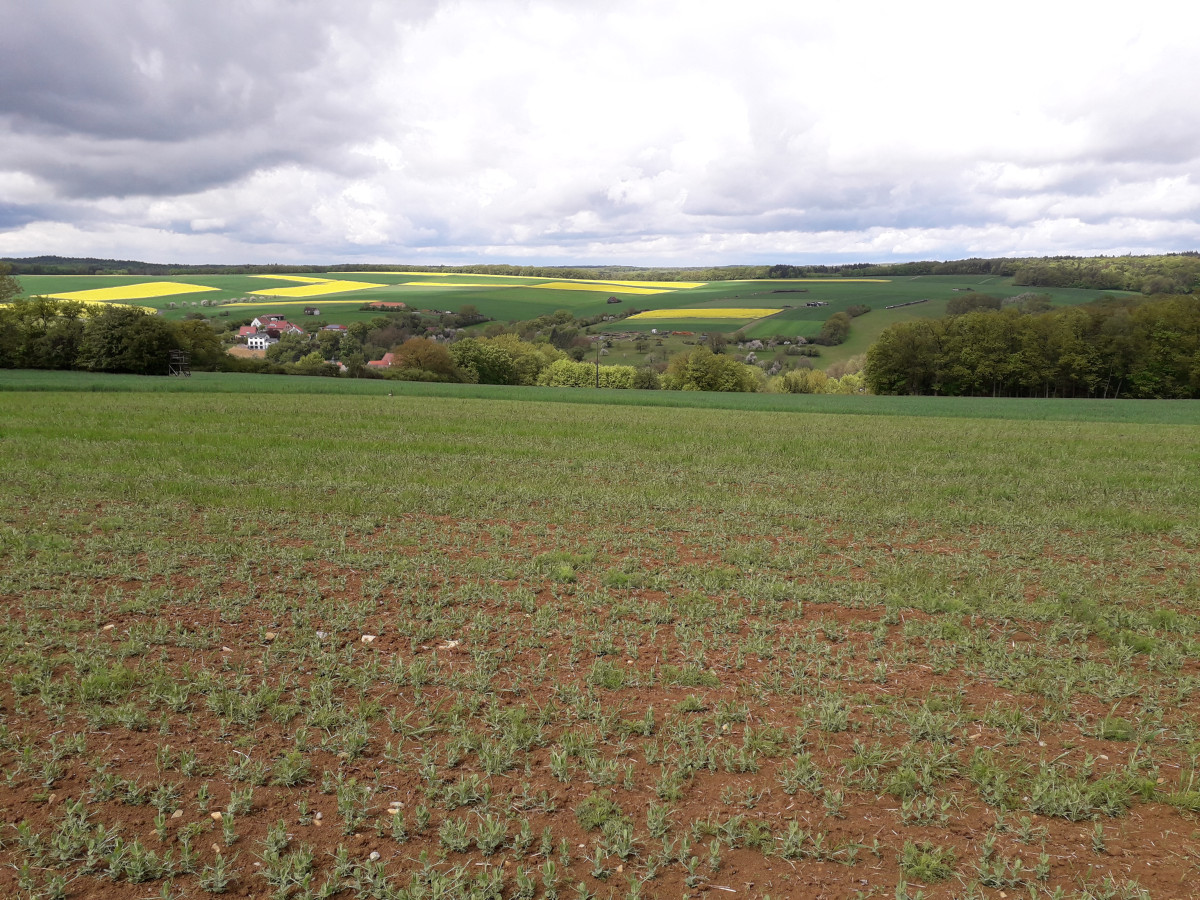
(556, 132)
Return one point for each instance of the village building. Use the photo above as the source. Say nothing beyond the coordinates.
(260, 341)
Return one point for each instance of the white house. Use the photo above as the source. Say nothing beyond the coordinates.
(260, 341)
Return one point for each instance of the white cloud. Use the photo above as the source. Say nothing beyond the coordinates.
(685, 131)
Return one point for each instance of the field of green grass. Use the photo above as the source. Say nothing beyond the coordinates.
(1144, 412)
(320, 638)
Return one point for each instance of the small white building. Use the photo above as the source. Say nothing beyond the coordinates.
(260, 341)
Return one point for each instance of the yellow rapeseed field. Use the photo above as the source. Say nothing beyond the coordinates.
(707, 313)
(604, 288)
(316, 288)
(442, 275)
(665, 285)
(460, 284)
(258, 304)
(133, 291)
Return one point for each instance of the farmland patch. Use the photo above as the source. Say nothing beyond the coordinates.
(607, 287)
(513, 648)
(708, 312)
(315, 288)
(140, 291)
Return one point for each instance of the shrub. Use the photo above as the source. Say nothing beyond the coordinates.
(646, 379)
(851, 366)
(970, 302)
(125, 339)
(835, 330)
(425, 355)
(703, 370)
(803, 381)
(569, 373)
(487, 361)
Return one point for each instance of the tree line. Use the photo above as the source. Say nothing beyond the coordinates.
(1170, 273)
(1133, 347)
(44, 333)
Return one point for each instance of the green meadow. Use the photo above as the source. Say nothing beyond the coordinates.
(1132, 412)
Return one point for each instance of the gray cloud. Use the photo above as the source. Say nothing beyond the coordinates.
(142, 98)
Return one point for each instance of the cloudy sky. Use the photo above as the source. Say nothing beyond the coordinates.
(684, 132)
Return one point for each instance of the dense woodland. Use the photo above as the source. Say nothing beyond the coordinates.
(1116, 348)
(1173, 273)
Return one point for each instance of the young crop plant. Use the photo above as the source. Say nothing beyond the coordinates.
(995, 870)
(240, 802)
(490, 834)
(454, 835)
(291, 769)
(926, 863)
(216, 877)
(526, 885)
(801, 772)
(285, 871)
(137, 863)
(925, 810)
(658, 820)
(597, 811)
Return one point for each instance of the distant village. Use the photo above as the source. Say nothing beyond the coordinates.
(265, 330)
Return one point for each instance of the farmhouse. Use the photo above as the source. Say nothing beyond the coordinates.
(276, 326)
(385, 363)
(260, 341)
(340, 329)
(246, 331)
(265, 320)
(312, 310)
